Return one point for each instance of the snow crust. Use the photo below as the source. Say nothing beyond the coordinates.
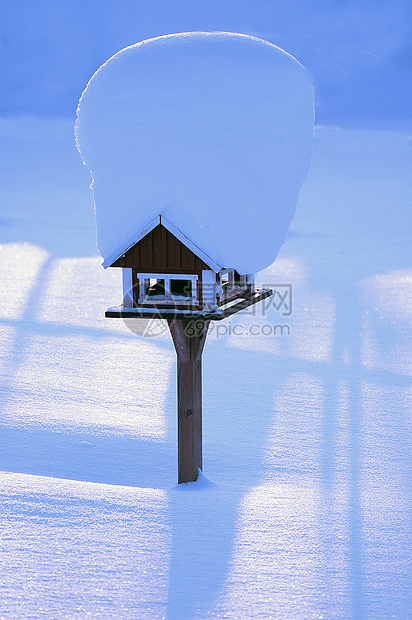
(212, 130)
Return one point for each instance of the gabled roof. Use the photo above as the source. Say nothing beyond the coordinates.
(160, 219)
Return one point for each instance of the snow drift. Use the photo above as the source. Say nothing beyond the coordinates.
(212, 130)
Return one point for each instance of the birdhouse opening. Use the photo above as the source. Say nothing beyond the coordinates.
(169, 289)
(161, 271)
(180, 288)
(154, 287)
(233, 285)
(225, 278)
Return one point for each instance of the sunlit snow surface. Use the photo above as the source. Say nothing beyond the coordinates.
(307, 436)
(214, 131)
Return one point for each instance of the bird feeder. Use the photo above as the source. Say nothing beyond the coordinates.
(197, 144)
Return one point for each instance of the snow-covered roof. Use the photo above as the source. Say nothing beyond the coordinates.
(175, 231)
(213, 131)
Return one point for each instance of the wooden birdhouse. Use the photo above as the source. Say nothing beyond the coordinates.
(198, 144)
(163, 269)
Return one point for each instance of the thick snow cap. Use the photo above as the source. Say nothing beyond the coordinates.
(211, 130)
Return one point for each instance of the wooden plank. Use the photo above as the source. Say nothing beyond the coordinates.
(199, 264)
(159, 247)
(173, 252)
(163, 247)
(143, 250)
(159, 250)
(187, 258)
(132, 257)
(189, 345)
(150, 249)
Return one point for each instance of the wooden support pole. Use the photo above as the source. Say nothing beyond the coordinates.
(189, 338)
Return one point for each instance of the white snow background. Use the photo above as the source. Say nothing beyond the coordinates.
(304, 509)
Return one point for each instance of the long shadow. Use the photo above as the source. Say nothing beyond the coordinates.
(346, 374)
(78, 455)
(204, 521)
(347, 201)
(71, 454)
(236, 422)
(203, 516)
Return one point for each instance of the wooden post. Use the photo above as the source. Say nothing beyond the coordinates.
(189, 338)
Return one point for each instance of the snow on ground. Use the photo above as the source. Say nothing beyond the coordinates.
(307, 429)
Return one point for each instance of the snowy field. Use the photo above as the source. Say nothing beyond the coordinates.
(304, 510)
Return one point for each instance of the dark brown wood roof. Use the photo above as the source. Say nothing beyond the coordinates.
(160, 251)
